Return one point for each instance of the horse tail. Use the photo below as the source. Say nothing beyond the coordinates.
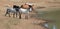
(7, 11)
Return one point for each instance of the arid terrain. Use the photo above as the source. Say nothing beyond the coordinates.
(15, 23)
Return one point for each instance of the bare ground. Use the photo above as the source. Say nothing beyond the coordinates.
(15, 23)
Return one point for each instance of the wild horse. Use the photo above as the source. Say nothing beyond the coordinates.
(24, 9)
(11, 10)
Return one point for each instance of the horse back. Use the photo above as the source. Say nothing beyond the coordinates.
(25, 6)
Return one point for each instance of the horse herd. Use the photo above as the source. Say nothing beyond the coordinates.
(23, 9)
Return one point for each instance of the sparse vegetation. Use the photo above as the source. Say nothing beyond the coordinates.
(15, 23)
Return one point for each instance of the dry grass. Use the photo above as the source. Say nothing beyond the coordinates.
(15, 23)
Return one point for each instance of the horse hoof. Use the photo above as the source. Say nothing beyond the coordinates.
(5, 15)
(19, 18)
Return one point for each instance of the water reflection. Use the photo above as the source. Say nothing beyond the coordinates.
(46, 25)
(53, 26)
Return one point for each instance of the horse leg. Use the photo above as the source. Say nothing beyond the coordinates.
(9, 14)
(16, 14)
(13, 15)
(26, 16)
(19, 15)
(6, 12)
